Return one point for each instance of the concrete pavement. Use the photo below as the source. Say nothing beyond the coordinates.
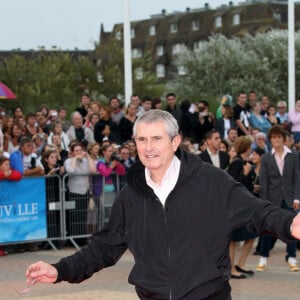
(276, 283)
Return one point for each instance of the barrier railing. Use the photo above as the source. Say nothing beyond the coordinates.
(76, 207)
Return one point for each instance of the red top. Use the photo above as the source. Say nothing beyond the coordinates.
(15, 175)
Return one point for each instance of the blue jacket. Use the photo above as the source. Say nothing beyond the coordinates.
(16, 161)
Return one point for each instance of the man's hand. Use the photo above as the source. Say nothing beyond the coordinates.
(41, 272)
(295, 227)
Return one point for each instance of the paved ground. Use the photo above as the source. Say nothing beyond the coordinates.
(277, 283)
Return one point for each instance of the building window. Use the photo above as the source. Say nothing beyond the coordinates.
(277, 16)
(139, 73)
(218, 22)
(152, 30)
(132, 33)
(178, 48)
(181, 70)
(195, 24)
(160, 71)
(173, 27)
(118, 35)
(136, 53)
(197, 45)
(159, 50)
(236, 20)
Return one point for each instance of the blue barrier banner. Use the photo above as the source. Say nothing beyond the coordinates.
(23, 210)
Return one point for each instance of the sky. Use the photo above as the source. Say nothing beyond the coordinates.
(70, 24)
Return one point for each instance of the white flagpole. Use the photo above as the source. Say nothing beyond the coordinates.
(127, 53)
(291, 54)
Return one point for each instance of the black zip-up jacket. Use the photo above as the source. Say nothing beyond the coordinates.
(180, 250)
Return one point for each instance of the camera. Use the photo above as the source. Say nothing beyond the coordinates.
(115, 157)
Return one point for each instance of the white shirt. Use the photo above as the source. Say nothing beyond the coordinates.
(226, 127)
(168, 182)
(215, 158)
(280, 160)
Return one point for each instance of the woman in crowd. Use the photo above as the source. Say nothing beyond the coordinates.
(226, 121)
(103, 127)
(294, 119)
(17, 112)
(93, 214)
(94, 108)
(260, 141)
(58, 129)
(6, 173)
(241, 170)
(256, 160)
(31, 128)
(7, 125)
(224, 146)
(271, 115)
(127, 122)
(106, 166)
(156, 103)
(50, 162)
(12, 142)
(51, 168)
(259, 121)
(79, 165)
(93, 120)
(231, 152)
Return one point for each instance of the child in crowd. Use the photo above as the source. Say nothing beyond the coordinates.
(6, 173)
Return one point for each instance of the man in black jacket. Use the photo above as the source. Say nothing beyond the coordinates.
(164, 217)
(212, 154)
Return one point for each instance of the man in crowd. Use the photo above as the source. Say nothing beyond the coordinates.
(79, 132)
(116, 115)
(279, 180)
(232, 135)
(62, 117)
(242, 114)
(172, 107)
(135, 99)
(25, 161)
(163, 216)
(147, 103)
(212, 153)
(84, 106)
(252, 99)
(117, 112)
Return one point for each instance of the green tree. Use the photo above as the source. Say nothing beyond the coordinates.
(55, 79)
(111, 72)
(225, 66)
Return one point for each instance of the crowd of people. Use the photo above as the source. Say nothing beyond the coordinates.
(249, 138)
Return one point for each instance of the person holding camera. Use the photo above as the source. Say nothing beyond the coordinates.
(79, 166)
(108, 164)
(78, 131)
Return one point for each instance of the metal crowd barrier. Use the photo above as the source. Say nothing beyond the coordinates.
(75, 216)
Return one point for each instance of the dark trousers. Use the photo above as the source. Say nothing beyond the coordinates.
(224, 293)
(266, 242)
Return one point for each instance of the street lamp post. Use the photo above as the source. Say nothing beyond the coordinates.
(291, 54)
(127, 53)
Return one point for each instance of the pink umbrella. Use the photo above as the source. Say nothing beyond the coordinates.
(5, 92)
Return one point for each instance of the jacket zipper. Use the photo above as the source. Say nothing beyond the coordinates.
(165, 208)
